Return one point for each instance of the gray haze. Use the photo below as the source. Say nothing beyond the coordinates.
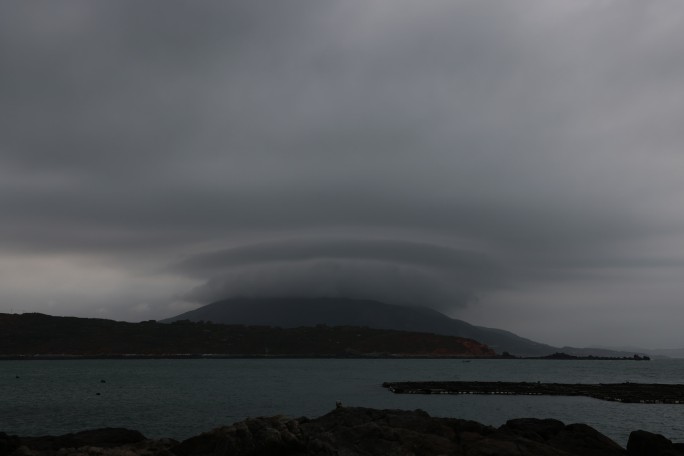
(514, 164)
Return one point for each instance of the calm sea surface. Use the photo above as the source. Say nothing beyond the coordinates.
(180, 398)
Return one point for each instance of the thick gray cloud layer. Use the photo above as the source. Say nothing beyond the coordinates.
(392, 271)
(372, 147)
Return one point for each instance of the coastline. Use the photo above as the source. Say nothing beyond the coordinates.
(232, 356)
(68, 356)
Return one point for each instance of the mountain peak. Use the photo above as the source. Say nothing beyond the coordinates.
(294, 312)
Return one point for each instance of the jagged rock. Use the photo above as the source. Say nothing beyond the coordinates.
(643, 443)
(360, 431)
(534, 429)
(366, 432)
(146, 448)
(101, 438)
(583, 439)
(352, 431)
(96, 442)
(8, 443)
(574, 438)
(258, 436)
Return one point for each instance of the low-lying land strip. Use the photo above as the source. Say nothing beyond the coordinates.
(645, 393)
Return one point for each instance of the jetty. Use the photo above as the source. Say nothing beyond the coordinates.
(643, 393)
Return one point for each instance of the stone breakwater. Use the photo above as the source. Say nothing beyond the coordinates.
(351, 431)
(644, 393)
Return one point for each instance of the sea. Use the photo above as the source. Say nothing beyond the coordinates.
(180, 398)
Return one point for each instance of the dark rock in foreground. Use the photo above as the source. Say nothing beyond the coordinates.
(642, 443)
(107, 441)
(350, 432)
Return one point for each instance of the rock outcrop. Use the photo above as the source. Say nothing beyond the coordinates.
(351, 431)
(106, 441)
(642, 443)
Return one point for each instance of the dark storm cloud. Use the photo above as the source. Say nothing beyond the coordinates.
(542, 138)
(232, 118)
(388, 270)
(366, 279)
(200, 119)
(387, 250)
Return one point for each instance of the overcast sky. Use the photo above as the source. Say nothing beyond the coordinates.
(514, 164)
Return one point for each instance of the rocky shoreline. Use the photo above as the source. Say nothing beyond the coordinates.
(350, 431)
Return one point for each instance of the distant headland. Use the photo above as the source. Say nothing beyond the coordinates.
(293, 312)
(39, 336)
(566, 357)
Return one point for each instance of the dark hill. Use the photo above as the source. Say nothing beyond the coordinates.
(294, 312)
(38, 334)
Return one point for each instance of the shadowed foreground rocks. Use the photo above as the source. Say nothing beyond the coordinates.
(353, 431)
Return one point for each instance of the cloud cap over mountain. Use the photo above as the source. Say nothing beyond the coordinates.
(541, 138)
(392, 271)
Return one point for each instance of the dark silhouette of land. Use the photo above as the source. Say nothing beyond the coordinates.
(38, 334)
(295, 312)
(559, 356)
